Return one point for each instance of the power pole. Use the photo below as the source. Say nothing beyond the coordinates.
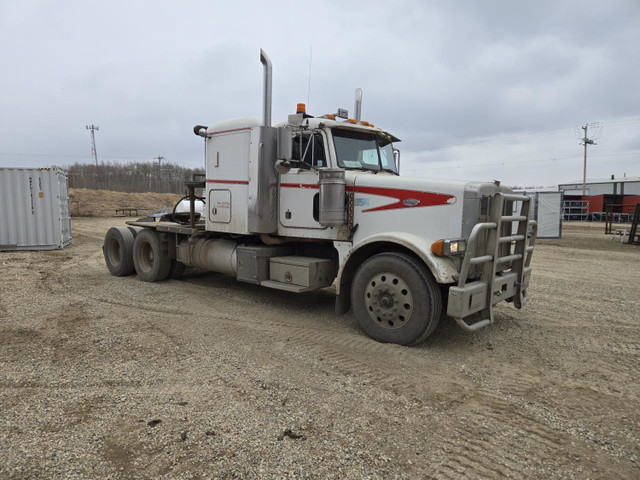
(93, 128)
(159, 171)
(585, 140)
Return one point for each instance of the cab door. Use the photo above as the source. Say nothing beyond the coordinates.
(299, 189)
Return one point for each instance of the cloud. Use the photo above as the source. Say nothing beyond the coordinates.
(456, 81)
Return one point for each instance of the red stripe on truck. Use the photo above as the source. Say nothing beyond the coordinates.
(229, 182)
(406, 198)
(300, 185)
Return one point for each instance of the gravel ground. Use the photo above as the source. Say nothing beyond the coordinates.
(105, 377)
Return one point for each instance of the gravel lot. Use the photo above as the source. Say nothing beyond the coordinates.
(105, 377)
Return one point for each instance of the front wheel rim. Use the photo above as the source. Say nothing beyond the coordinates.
(388, 300)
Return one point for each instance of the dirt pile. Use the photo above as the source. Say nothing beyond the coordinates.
(85, 202)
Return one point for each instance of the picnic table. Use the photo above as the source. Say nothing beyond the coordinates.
(127, 212)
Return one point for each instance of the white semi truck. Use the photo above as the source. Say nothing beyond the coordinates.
(318, 201)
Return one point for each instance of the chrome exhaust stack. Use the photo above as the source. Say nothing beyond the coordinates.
(358, 106)
(266, 115)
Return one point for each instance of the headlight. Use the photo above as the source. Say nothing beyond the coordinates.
(448, 247)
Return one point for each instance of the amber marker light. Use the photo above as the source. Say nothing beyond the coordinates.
(352, 120)
(446, 248)
(438, 248)
(330, 116)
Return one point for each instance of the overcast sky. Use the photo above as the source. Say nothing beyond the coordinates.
(477, 90)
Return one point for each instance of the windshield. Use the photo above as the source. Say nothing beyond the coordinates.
(363, 151)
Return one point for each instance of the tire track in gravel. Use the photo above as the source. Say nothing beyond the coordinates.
(488, 412)
(489, 406)
(137, 305)
(332, 346)
(471, 458)
(76, 262)
(497, 445)
(325, 345)
(328, 343)
(507, 462)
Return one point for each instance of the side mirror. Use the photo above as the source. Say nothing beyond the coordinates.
(396, 158)
(285, 143)
(283, 166)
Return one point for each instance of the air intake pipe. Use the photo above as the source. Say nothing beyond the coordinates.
(266, 115)
(358, 106)
(332, 207)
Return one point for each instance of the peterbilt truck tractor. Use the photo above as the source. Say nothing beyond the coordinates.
(318, 201)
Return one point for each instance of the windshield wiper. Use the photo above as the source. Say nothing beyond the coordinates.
(357, 168)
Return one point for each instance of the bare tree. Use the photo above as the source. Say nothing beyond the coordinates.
(130, 177)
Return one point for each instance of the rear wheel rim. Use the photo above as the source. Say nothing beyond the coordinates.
(388, 300)
(146, 256)
(115, 252)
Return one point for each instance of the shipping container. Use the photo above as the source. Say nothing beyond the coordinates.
(34, 209)
(546, 209)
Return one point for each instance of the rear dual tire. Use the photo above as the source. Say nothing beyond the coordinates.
(118, 251)
(151, 256)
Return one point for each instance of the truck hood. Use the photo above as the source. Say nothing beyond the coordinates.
(406, 192)
(413, 207)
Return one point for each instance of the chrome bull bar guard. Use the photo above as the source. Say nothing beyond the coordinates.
(506, 269)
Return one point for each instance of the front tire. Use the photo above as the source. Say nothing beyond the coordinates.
(150, 256)
(396, 299)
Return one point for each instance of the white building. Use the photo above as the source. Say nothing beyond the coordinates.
(612, 186)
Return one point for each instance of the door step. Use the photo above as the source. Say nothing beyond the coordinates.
(288, 287)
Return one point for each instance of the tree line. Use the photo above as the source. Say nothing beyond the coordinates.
(132, 177)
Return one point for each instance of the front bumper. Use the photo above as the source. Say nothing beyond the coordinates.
(505, 271)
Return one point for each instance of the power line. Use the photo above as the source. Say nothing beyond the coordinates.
(448, 166)
(616, 123)
(520, 162)
(503, 138)
(67, 155)
(499, 138)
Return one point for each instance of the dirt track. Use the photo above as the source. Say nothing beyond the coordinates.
(104, 377)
